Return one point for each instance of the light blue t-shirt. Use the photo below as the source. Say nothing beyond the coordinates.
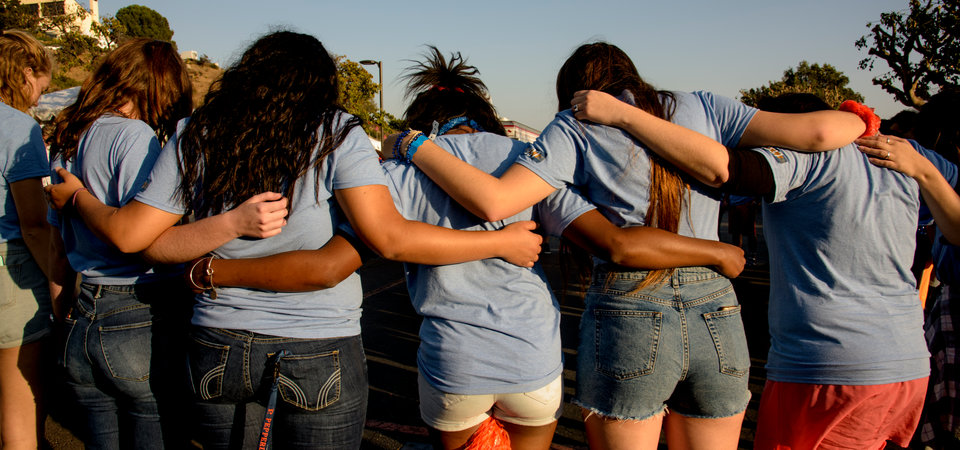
(113, 160)
(844, 308)
(22, 156)
(314, 216)
(488, 326)
(613, 169)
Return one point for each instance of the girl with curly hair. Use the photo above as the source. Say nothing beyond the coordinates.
(273, 123)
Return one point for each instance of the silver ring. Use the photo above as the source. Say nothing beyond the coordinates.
(576, 108)
(888, 141)
(887, 156)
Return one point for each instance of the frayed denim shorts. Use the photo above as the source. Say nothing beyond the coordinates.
(679, 345)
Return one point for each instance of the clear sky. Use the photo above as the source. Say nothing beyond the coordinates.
(518, 46)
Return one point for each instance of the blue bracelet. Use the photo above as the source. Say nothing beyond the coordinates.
(414, 145)
(396, 145)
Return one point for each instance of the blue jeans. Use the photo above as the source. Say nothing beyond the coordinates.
(120, 358)
(679, 345)
(322, 401)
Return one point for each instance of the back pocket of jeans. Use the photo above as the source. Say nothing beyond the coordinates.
(627, 342)
(207, 363)
(310, 382)
(726, 328)
(127, 350)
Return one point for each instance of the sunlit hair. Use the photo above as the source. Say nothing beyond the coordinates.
(938, 124)
(19, 51)
(261, 122)
(604, 67)
(445, 89)
(148, 74)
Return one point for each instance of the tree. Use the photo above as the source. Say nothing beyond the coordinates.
(824, 81)
(357, 91)
(110, 31)
(921, 48)
(140, 21)
(14, 16)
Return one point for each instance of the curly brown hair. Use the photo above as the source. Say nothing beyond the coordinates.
(19, 50)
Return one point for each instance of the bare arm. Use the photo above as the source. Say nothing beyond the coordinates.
(702, 157)
(813, 131)
(643, 247)
(485, 195)
(371, 211)
(136, 226)
(296, 271)
(32, 213)
(895, 153)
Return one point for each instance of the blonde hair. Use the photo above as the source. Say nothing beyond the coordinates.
(18, 51)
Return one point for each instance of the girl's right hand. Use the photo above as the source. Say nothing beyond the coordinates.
(61, 193)
(520, 245)
(599, 107)
(261, 216)
(731, 260)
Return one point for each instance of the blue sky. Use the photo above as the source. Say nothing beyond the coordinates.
(518, 46)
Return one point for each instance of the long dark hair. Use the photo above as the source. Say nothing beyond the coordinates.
(604, 67)
(938, 124)
(260, 123)
(445, 89)
(149, 74)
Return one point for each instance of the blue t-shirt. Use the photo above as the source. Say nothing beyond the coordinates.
(327, 313)
(488, 326)
(843, 307)
(613, 169)
(22, 156)
(113, 159)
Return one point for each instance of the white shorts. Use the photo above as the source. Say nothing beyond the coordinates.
(457, 412)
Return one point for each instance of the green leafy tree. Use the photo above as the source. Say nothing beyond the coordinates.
(824, 81)
(110, 31)
(14, 16)
(140, 21)
(921, 47)
(357, 91)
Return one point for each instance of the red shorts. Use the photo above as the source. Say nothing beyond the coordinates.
(806, 416)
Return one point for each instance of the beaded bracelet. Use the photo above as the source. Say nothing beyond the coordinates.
(398, 144)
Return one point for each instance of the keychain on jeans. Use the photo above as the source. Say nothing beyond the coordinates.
(265, 432)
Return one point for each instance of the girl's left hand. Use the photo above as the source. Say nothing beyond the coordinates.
(892, 152)
(598, 107)
(61, 193)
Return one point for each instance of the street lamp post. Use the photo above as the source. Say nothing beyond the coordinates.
(370, 62)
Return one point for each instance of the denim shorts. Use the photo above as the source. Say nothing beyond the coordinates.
(24, 297)
(680, 345)
(322, 389)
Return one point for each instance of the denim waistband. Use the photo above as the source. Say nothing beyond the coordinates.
(680, 274)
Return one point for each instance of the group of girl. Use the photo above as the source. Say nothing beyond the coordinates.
(275, 174)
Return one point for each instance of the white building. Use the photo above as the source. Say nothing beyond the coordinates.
(519, 131)
(85, 18)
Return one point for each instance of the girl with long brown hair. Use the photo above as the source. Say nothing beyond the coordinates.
(29, 249)
(121, 331)
(658, 339)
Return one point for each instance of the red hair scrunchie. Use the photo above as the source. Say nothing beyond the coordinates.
(866, 114)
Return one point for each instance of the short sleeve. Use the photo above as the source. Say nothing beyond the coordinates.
(730, 116)
(29, 159)
(355, 162)
(555, 156)
(160, 189)
(790, 169)
(561, 208)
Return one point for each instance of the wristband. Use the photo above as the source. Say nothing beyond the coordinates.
(865, 113)
(414, 145)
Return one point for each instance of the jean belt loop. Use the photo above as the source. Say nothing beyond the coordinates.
(98, 291)
(266, 434)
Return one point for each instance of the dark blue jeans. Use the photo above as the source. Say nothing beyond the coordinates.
(121, 350)
(322, 401)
